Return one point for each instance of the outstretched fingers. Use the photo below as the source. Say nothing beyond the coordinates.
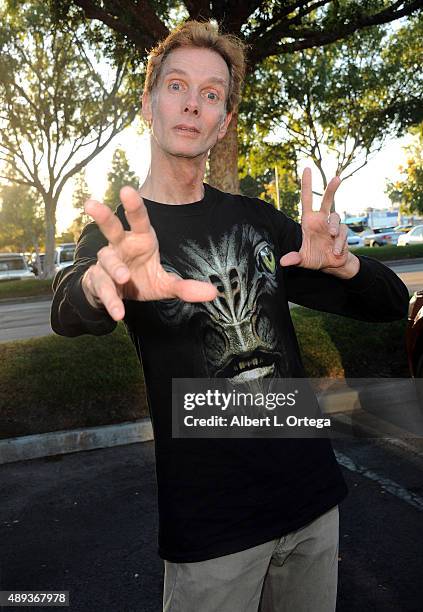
(102, 287)
(306, 191)
(341, 241)
(113, 264)
(191, 290)
(334, 222)
(107, 221)
(329, 195)
(293, 258)
(135, 210)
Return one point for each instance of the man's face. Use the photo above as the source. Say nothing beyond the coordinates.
(187, 107)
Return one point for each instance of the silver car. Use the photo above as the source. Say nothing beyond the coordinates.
(13, 266)
(414, 236)
(380, 236)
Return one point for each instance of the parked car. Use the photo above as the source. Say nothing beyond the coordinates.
(414, 335)
(403, 229)
(380, 237)
(414, 236)
(354, 240)
(13, 266)
(64, 255)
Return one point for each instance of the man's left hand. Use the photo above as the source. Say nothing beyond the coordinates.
(325, 245)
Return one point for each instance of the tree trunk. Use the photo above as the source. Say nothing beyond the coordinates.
(50, 225)
(224, 160)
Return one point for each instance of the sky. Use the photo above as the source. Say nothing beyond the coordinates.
(366, 188)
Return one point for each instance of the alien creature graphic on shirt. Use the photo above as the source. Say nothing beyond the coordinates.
(236, 330)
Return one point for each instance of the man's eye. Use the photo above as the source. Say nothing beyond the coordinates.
(212, 95)
(175, 86)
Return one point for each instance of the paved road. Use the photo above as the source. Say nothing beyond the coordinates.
(31, 319)
(87, 523)
(24, 320)
(412, 275)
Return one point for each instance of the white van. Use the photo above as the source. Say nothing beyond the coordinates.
(13, 266)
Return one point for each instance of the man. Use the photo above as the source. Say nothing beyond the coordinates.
(245, 524)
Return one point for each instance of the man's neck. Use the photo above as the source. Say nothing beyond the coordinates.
(174, 180)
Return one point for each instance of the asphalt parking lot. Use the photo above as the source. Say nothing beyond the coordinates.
(87, 523)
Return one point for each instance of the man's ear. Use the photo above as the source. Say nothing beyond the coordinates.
(224, 126)
(146, 109)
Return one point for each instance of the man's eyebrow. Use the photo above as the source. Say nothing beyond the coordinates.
(213, 79)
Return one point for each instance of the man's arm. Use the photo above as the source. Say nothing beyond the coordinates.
(71, 313)
(117, 259)
(375, 293)
(321, 273)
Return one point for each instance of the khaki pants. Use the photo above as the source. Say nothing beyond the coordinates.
(296, 573)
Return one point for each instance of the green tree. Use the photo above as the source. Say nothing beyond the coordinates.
(344, 99)
(81, 193)
(66, 236)
(120, 174)
(269, 172)
(408, 192)
(58, 110)
(269, 27)
(21, 223)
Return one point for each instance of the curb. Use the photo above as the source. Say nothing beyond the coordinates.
(23, 448)
(35, 446)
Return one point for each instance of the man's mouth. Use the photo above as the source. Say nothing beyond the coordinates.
(186, 129)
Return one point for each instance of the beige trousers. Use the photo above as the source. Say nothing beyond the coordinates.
(296, 573)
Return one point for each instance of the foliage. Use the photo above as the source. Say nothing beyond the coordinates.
(18, 289)
(270, 29)
(408, 192)
(66, 236)
(120, 174)
(258, 165)
(66, 390)
(336, 347)
(344, 99)
(392, 252)
(21, 224)
(81, 193)
(58, 107)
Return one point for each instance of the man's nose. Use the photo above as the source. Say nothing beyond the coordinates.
(192, 104)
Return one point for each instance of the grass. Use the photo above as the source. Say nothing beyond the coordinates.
(54, 383)
(334, 346)
(25, 288)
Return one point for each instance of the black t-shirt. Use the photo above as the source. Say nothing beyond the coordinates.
(220, 496)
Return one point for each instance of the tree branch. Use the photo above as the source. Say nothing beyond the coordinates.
(141, 36)
(198, 8)
(267, 43)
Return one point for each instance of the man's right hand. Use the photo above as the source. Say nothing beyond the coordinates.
(129, 267)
